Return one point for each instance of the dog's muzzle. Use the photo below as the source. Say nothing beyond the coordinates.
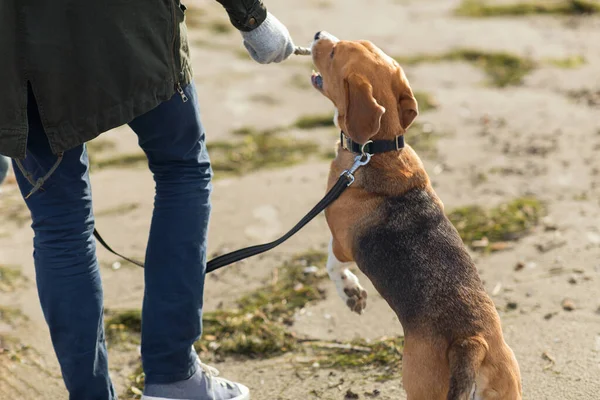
(323, 35)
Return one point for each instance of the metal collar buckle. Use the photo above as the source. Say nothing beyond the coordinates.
(398, 147)
(344, 142)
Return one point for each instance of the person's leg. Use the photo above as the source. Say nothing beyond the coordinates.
(67, 275)
(172, 137)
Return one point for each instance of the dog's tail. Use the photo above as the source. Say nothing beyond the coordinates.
(465, 356)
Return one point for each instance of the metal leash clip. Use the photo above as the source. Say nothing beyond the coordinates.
(359, 161)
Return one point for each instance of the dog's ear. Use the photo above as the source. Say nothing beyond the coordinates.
(363, 113)
(408, 108)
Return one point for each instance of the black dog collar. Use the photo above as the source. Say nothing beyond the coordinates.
(372, 146)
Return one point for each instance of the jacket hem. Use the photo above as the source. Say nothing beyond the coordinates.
(75, 133)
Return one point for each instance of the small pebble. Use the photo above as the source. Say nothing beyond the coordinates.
(116, 265)
(374, 393)
(568, 305)
(350, 395)
(549, 315)
(573, 280)
(511, 305)
(549, 224)
(519, 266)
(311, 270)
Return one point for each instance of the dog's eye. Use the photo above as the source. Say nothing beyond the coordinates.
(332, 53)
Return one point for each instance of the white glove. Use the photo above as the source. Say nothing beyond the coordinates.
(270, 42)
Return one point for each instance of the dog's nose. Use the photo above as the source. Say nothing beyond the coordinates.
(317, 35)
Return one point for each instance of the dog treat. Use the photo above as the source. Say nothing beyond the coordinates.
(302, 51)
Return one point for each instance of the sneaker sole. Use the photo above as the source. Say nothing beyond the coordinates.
(244, 396)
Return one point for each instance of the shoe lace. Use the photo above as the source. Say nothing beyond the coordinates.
(211, 372)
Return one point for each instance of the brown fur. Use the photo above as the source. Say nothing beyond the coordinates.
(391, 222)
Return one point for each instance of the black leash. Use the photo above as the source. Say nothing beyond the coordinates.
(345, 180)
(341, 185)
(107, 247)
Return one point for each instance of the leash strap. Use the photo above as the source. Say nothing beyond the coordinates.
(345, 180)
(107, 247)
(226, 259)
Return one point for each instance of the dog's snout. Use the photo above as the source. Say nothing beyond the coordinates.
(324, 35)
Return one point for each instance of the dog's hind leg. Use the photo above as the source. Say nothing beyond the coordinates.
(425, 371)
(346, 283)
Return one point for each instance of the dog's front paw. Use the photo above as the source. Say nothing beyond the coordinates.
(352, 292)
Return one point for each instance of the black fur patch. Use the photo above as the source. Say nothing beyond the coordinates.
(415, 258)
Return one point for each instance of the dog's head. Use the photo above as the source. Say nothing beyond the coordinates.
(364, 84)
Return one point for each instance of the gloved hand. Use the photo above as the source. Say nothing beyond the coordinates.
(270, 42)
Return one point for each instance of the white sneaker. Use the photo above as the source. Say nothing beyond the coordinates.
(210, 387)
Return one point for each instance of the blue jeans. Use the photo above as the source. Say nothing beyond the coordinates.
(67, 273)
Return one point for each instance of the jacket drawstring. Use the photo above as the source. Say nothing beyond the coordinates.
(37, 185)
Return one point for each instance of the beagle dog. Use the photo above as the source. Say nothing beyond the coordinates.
(391, 223)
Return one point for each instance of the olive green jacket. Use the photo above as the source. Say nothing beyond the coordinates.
(93, 64)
